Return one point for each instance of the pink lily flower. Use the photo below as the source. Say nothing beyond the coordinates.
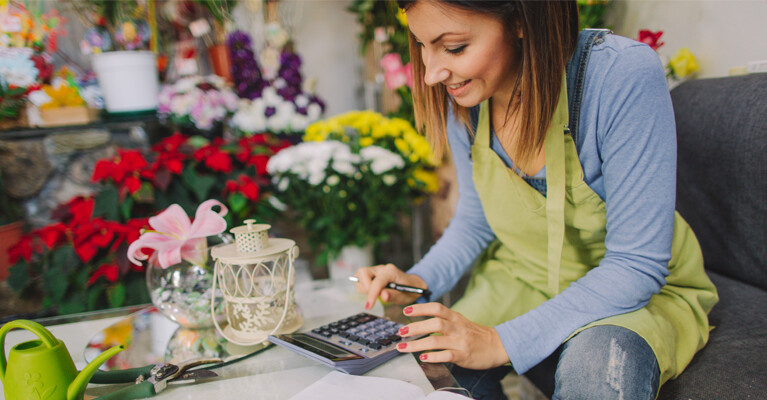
(174, 237)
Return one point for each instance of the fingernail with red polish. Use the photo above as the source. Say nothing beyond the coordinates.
(408, 310)
(367, 305)
(402, 346)
(404, 330)
(423, 357)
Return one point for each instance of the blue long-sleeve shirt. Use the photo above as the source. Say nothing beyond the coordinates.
(627, 147)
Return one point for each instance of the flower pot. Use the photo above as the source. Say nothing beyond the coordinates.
(182, 292)
(221, 62)
(349, 260)
(128, 80)
(9, 236)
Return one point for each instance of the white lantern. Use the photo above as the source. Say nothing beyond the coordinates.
(256, 276)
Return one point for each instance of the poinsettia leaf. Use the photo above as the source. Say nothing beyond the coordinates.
(64, 259)
(94, 296)
(106, 204)
(116, 295)
(200, 185)
(126, 207)
(145, 193)
(74, 303)
(237, 202)
(55, 284)
(19, 276)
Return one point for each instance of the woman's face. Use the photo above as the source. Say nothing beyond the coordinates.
(467, 52)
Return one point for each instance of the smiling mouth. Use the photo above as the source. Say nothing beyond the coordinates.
(458, 85)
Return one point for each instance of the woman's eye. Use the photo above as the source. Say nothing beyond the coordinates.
(456, 50)
(419, 44)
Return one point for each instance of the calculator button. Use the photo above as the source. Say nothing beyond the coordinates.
(363, 341)
(353, 338)
(316, 330)
(334, 330)
(344, 327)
(326, 333)
(394, 338)
(375, 345)
(344, 334)
(353, 323)
(384, 341)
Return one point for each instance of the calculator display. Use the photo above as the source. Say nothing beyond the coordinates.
(324, 349)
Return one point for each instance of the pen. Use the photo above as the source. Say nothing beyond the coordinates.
(401, 288)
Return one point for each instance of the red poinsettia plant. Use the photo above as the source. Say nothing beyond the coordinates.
(80, 262)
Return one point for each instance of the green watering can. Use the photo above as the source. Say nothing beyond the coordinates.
(43, 369)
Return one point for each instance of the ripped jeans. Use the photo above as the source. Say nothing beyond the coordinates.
(603, 362)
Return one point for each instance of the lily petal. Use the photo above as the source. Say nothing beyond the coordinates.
(208, 222)
(173, 221)
(167, 248)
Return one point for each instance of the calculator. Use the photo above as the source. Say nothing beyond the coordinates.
(353, 345)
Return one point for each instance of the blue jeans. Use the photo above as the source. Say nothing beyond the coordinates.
(603, 362)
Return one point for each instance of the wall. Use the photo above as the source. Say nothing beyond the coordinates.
(721, 33)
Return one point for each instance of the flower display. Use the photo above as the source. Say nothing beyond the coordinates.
(274, 113)
(650, 38)
(682, 64)
(17, 67)
(197, 101)
(351, 179)
(25, 25)
(174, 237)
(85, 250)
(274, 100)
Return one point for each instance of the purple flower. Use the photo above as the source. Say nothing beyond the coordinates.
(270, 111)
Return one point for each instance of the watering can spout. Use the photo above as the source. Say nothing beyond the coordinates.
(77, 387)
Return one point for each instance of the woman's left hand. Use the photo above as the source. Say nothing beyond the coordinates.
(461, 342)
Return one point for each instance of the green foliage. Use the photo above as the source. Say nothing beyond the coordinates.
(11, 100)
(592, 13)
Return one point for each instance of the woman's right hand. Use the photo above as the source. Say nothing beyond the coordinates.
(373, 281)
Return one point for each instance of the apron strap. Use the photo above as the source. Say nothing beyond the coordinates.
(554, 147)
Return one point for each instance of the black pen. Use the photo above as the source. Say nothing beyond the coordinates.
(401, 288)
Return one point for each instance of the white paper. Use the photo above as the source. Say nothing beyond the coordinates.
(340, 386)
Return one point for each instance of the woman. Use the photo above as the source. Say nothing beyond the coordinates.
(586, 280)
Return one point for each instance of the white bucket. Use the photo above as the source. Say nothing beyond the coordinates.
(128, 80)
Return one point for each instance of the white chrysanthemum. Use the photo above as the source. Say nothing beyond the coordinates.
(333, 180)
(381, 160)
(302, 101)
(389, 179)
(314, 111)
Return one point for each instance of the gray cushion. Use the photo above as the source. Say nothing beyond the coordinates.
(722, 172)
(734, 363)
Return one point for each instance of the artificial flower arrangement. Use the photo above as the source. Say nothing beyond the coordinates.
(179, 272)
(352, 178)
(275, 99)
(79, 262)
(197, 101)
(113, 25)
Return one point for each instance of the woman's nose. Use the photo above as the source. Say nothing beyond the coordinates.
(434, 71)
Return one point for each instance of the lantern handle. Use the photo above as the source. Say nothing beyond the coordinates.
(249, 223)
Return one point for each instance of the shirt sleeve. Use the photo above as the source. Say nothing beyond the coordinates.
(636, 138)
(468, 232)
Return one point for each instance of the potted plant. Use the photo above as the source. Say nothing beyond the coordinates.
(349, 182)
(218, 51)
(11, 224)
(119, 41)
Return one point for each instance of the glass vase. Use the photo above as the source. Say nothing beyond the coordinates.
(183, 291)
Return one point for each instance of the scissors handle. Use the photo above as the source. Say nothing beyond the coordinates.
(121, 376)
(138, 391)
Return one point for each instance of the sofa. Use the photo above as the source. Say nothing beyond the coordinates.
(722, 193)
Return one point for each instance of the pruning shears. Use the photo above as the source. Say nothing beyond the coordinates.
(153, 379)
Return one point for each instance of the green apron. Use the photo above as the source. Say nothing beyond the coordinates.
(545, 243)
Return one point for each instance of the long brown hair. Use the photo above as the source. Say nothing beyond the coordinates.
(549, 37)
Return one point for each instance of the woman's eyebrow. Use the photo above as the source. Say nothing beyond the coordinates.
(438, 38)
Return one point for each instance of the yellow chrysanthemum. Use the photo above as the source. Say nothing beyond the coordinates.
(428, 178)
